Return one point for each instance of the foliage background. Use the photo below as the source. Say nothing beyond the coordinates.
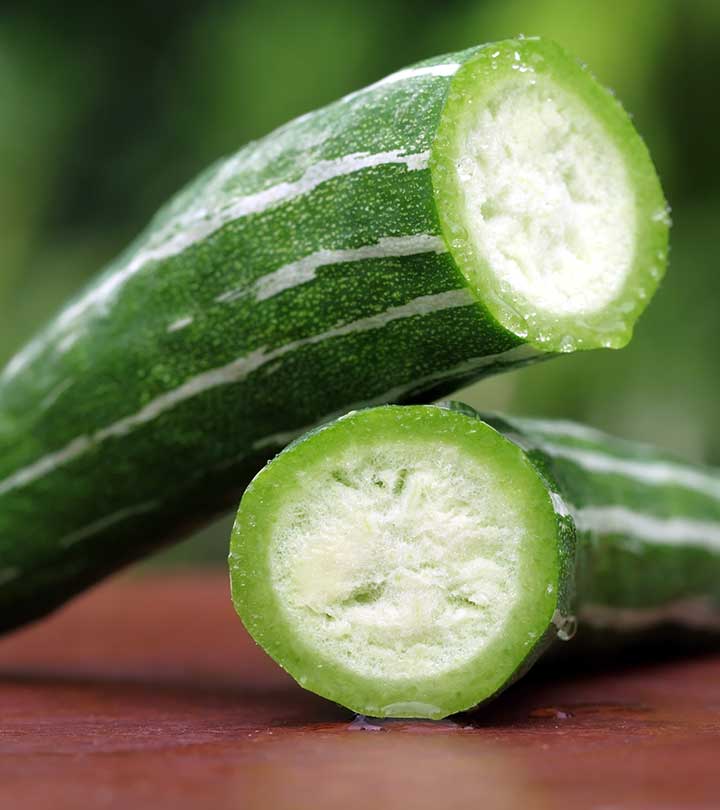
(106, 109)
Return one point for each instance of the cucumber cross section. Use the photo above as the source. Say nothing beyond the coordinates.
(398, 562)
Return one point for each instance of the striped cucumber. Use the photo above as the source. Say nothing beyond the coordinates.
(459, 217)
(413, 561)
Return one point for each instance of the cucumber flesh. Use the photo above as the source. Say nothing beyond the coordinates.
(398, 562)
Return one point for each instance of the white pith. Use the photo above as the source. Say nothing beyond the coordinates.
(547, 201)
(394, 577)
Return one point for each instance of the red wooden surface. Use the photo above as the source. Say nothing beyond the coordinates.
(147, 693)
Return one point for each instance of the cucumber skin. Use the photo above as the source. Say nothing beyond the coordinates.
(113, 488)
(617, 570)
(195, 459)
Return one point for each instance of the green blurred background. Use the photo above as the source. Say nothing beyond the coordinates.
(108, 108)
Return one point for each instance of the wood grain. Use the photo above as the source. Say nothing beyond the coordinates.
(147, 693)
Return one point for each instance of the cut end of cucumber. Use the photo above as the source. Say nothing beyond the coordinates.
(401, 561)
(548, 198)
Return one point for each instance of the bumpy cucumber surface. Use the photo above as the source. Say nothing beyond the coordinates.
(413, 561)
(459, 217)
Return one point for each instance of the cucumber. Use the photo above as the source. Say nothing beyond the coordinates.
(460, 217)
(412, 561)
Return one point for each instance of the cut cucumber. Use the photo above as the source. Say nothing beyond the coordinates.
(404, 562)
(545, 202)
(412, 561)
(460, 217)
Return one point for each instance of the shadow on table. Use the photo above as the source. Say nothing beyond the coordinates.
(557, 681)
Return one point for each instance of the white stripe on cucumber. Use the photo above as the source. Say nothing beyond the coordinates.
(233, 372)
(181, 233)
(560, 427)
(55, 394)
(304, 270)
(198, 225)
(105, 522)
(443, 70)
(655, 530)
(179, 324)
(653, 473)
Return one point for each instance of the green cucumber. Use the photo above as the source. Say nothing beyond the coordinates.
(412, 561)
(457, 218)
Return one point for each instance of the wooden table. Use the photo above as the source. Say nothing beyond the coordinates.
(146, 693)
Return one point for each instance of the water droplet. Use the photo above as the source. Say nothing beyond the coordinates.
(663, 216)
(362, 723)
(568, 628)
